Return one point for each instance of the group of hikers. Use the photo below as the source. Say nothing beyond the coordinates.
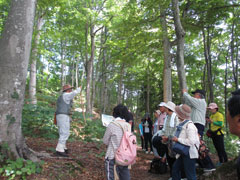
(175, 138)
(184, 124)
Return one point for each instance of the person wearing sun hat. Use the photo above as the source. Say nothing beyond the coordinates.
(198, 105)
(64, 104)
(169, 128)
(188, 136)
(216, 121)
(162, 115)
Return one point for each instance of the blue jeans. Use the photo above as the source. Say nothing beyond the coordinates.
(189, 168)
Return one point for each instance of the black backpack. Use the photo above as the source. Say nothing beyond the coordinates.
(160, 147)
(158, 167)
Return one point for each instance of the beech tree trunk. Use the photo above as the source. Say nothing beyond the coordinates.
(63, 64)
(180, 33)
(33, 72)
(207, 54)
(103, 79)
(90, 71)
(167, 73)
(148, 91)
(119, 100)
(15, 47)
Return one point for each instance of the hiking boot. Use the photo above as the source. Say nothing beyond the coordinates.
(62, 154)
(66, 151)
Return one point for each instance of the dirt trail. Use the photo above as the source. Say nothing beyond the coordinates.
(139, 170)
(86, 162)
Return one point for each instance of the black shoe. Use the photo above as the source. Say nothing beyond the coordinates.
(66, 151)
(62, 154)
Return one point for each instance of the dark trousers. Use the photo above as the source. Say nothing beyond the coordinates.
(142, 142)
(122, 171)
(206, 162)
(200, 129)
(148, 138)
(189, 168)
(218, 142)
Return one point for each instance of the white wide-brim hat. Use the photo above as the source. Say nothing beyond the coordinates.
(170, 105)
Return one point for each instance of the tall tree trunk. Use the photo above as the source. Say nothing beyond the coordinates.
(73, 73)
(93, 88)
(63, 64)
(234, 64)
(207, 54)
(225, 91)
(33, 72)
(15, 47)
(77, 71)
(167, 73)
(120, 82)
(180, 33)
(89, 71)
(148, 90)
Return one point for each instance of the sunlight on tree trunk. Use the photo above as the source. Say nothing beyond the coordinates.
(15, 47)
(167, 73)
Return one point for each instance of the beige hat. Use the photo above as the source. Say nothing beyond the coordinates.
(212, 106)
(170, 105)
(183, 111)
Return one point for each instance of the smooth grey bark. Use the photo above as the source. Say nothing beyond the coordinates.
(120, 84)
(77, 71)
(207, 55)
(148, 91)
(33, 72)
(90, 71)
(167, 72)
(180, 34)
(103, 79)
(63, 63)
(15, 47)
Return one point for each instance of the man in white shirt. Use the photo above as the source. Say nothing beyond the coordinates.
(64, 104)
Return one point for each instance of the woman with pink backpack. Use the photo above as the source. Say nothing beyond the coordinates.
(113, 139)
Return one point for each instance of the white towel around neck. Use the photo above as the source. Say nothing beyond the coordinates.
(171, 120)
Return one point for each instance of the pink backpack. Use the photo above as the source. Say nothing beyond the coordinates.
(127, 151)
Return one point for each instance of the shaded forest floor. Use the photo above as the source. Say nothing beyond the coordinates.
(86, 162)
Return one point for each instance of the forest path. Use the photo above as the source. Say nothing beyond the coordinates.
(85, 162)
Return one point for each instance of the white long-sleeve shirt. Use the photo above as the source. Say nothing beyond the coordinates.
(198, 107)
(189, 136)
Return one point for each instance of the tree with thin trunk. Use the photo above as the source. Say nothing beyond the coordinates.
(207, 54)
(15, 47)
(33, 72)
(180, 33)
(120, 84)
(167, 72)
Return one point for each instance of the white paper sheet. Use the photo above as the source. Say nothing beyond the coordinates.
(106, 119)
